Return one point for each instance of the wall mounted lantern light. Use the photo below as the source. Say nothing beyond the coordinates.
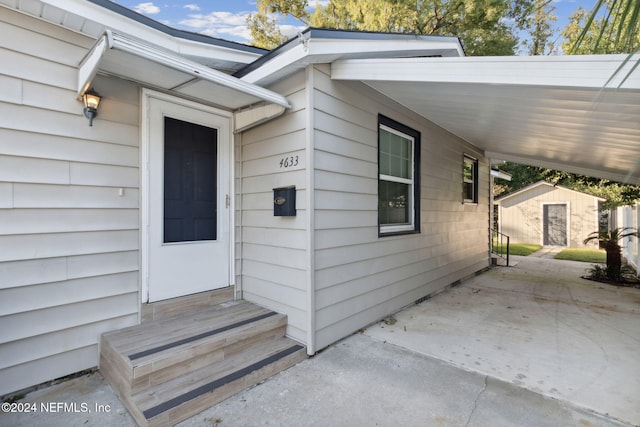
(91, 101)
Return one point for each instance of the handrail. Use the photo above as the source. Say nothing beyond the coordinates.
(499, 238)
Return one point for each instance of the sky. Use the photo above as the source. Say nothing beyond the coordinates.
(227, 19)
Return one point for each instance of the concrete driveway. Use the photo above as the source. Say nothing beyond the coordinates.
(537, 325)
(519, 347)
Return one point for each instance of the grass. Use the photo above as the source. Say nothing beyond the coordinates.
(583, 255)
(522, 249)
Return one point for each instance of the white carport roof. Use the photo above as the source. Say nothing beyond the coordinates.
(559, 112)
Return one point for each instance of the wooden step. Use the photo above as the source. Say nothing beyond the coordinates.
(181, 398)
(155, 352)
(167, 370)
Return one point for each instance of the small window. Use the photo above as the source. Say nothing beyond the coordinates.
(470, 180)
(398, 171)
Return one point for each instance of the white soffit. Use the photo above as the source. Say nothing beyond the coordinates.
(558, 112)
(132, 59)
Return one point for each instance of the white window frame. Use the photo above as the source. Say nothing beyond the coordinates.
(410, 227)
(473, 181)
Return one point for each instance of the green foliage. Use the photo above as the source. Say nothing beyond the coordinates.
(582, 255)
(615, 31)
(598, 272)
(482, 25)
(615, 193)
(263, 24)
(609, 239)
(540, 28)
(522, 249)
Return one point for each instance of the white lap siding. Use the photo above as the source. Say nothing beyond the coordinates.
(360, 277)
(68, 206)
(273, 252)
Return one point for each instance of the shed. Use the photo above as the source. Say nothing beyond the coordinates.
(549, 215)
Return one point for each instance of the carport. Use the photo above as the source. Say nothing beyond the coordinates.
(537, 325)
(579, 114)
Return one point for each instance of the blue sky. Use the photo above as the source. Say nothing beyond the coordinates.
(227, 19)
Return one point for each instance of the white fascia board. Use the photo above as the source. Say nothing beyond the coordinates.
(386, 48)
(90, 65)
(121, 24)
(253, 116)
(500, 174)
(327, 50)
(589, 71)
(278, 64)
(545, 163)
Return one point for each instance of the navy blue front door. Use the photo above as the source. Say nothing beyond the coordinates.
(190, 182)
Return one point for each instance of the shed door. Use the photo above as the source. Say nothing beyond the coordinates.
(555, 225)
(188, 231)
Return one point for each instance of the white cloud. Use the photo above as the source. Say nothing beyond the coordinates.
(192, 7)
(291, 30)
(219, 24)
(147, 8)
(227, 25)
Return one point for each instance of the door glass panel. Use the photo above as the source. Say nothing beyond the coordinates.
(190, 182)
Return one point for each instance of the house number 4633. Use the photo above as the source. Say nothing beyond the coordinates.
(289, 162)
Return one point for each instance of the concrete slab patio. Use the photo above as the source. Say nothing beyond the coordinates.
(538, 325)
(507, 339)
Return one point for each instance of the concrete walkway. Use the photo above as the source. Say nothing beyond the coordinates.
(537, 325)
(547, 252)
(489, 352)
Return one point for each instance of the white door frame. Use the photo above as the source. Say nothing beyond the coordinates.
(146, 96)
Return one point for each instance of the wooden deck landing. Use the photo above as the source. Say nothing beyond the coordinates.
(168, 370)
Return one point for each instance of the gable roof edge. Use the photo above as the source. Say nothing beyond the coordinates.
(539, 183)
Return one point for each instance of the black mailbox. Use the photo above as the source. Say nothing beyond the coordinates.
(284, 201)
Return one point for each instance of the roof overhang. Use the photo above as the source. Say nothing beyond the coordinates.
(322, 46)
(93, 17)
(549, 186)
(561, 112)
(132, 59)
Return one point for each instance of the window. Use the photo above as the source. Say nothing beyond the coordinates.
(398, 172)
(470, 180)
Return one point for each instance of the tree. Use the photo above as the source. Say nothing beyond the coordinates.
(615, 193)
(481, 24)
(615, 31)
(609, 239)
(263, 24)
(540, 28)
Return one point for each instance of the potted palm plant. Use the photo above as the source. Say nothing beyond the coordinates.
(608, 240)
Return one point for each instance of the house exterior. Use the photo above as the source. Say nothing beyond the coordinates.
(549, 215)
(98, 221)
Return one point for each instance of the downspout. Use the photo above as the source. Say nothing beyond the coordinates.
(310, 169)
